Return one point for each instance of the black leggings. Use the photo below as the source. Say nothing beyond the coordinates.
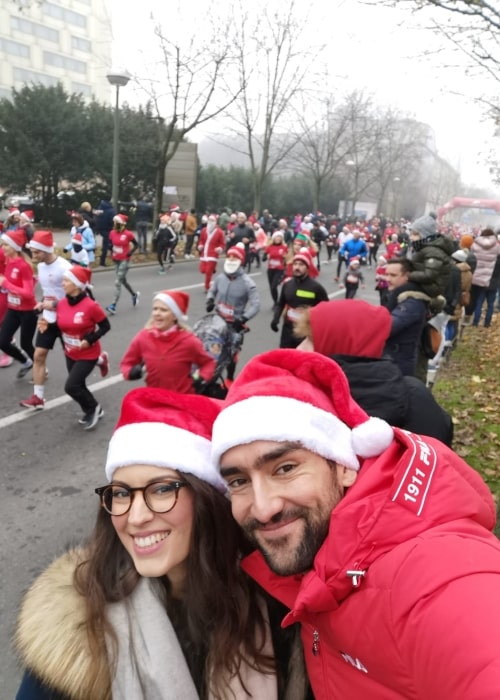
(26, 320)
(78, 371)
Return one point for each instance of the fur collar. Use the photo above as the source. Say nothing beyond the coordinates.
(51, 636)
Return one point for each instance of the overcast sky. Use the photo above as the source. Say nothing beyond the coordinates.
(374, 47)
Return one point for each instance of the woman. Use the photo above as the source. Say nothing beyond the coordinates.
(276, 253)
(82, 322)
(155, 606)
(5, 360)
(166, 350)
(19, 283)
(81, 226)
(486, 248)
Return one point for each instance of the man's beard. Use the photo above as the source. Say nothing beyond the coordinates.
(302, 557)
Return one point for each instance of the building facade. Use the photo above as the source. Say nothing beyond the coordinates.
(46, 42)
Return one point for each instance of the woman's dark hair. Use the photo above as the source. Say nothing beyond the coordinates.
(219, 622)
(487, 232)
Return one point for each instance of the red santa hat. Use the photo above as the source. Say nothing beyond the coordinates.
(237, 251)
(355, 260)
(16, 239)
(120, 219)
(27, 215)
(77, 238)
(152, 418)
(80, 276)
(303, 256)
(290, 396)
(177, 302)
(174, 207)
(13, 211)
(42, 240)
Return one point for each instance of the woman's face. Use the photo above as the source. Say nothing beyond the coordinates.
(70, 289)
(162, 316)
(9, 251)
(158, 543)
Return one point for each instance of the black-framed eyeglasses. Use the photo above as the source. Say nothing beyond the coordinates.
(159, 496)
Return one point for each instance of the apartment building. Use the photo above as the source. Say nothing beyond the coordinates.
(47, 42)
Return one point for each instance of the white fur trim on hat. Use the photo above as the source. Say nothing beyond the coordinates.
(283, 419)
(162, 445)
(7, 239)
(172, 305)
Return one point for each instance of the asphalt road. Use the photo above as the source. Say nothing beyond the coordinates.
(49, 466)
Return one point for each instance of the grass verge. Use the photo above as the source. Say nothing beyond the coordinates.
(468, 388)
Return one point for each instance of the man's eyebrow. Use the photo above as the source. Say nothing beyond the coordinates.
(280, 451)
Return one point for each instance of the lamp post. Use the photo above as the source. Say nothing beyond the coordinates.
(118, 79)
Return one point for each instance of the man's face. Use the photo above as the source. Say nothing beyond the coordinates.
(241, 218)
(282, 496)
(300, 269)
(396, 277)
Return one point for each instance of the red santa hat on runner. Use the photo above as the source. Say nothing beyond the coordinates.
(16, 239)
(177, 302)
(290, 396)
(120, 219)
(42, 240)
(27, 216)
(174, 207)
(152, 418)
(80, 276)
(238, 251)
(303, 256)
(13, 211)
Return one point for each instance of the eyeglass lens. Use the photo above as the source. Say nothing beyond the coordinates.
(160, 497)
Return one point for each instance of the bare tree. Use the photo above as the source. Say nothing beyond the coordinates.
(272, 69)
(192, 88)
(321, 129)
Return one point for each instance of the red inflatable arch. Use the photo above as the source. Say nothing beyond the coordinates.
(465, 203)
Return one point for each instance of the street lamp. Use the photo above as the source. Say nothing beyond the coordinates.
(118, 79)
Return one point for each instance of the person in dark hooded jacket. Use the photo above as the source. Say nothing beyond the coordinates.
(431, 253)
(354, 333)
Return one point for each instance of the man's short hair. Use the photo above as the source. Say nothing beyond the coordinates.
(406, 265)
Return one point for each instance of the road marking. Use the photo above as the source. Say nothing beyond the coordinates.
(26, 413)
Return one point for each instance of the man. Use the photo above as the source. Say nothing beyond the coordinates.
(51, 269)
(143, 217)
(235, 297)
(354, 247)
(300, 290)
(211, 245)
(242, 232)
(103, 224)
(124, 244)
(190, 227)
(378, 540)
(408, 306)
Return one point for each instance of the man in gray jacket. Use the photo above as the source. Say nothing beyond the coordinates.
(235, 298)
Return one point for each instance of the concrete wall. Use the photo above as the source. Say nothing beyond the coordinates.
(180, 177)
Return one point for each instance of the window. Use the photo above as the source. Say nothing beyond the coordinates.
(64, 62)
(14, 47)
(81, 89)
(29, 76)
(81, 44)
(67, 16)
(38, 30)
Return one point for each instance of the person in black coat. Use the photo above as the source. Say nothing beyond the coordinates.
(104, 215)
(354, 333)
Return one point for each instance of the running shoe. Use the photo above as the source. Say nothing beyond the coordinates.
(135, 298)
(24, 370)
(5, 360)
(104, 363)
(111, 309)
(93, 418)
(33, 402)
(86, 417)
